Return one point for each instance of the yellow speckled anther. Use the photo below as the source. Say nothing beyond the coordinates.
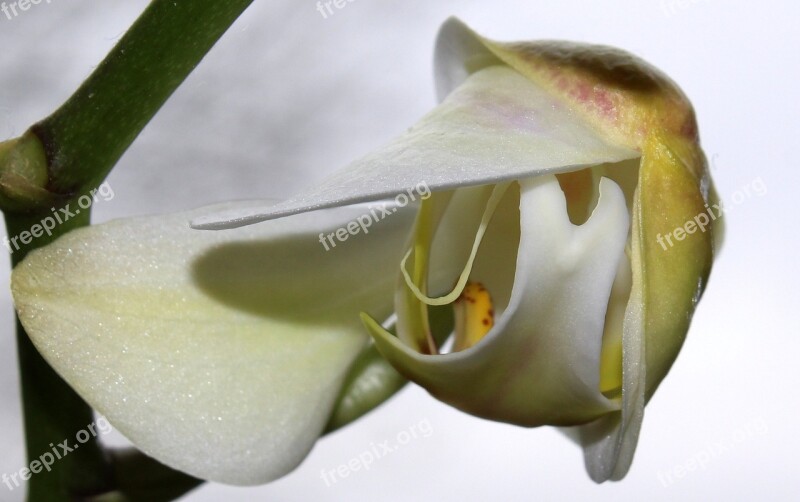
(474, 316)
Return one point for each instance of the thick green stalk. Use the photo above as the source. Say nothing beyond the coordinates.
(141, 479)
(53, 412)
(372, 379)
(86, 136)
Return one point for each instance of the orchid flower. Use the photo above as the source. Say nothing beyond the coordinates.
(552, 167)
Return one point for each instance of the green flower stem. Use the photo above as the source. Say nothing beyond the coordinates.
(57, 160)
(372, 379)
(53, 412)
(370, 382)
(142, 479)
(86, 136)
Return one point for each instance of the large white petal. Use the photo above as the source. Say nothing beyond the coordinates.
(496, 126)
(218, 353)
(541, 363)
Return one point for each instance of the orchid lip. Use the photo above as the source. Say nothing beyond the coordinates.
(498, 375)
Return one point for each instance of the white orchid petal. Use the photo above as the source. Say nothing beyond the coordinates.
(218, 353)
(497, 126)
(459, 52)
(610, 442)
(540, 364)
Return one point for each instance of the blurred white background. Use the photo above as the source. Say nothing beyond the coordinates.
(287, 97)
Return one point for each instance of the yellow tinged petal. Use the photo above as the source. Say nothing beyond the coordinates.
(629, 103)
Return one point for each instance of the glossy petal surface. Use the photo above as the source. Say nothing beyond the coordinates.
(218, 353)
